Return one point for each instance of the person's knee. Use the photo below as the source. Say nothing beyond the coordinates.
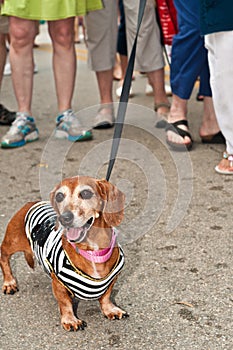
(63, 36)
(21, 36)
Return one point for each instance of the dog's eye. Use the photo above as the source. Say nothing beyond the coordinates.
(59, 197)
(86, 194)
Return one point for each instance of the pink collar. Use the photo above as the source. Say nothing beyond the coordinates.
(98, 256)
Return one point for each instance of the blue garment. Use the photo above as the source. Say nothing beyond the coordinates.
(189, 56)
(121, 39)
(216, 16)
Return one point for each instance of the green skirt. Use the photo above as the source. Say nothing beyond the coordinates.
(49, 10)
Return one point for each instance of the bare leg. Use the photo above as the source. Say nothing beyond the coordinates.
(105, 79)
(64, 60)
(209, 124)
(117, 71)
(2, 55)
(105, 118)
(156, 79)
(178, 112)
(124, 63)
(23, 33)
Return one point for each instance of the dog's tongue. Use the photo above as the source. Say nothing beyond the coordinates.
(73, 234)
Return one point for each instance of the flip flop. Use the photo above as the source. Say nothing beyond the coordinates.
(174, 127)
(216, 138)
(228, 170)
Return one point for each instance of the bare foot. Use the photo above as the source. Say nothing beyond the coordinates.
(178, 133)
(226, 165)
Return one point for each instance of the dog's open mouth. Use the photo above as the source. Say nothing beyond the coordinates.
(77, 234)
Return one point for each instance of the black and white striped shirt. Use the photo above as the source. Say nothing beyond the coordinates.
(47, 246)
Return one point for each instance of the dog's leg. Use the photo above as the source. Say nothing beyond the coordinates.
(9, 282)
(68, 320)
(15, 240)
(111, 311)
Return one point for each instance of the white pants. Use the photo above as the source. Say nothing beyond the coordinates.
(220, 53)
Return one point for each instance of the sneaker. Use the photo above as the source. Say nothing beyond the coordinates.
(7, 69)
(119, 91)
(69, 127)
(104, 118)
(22, 130)
(6, 117)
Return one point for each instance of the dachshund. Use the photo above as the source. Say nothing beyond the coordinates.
(74, 239)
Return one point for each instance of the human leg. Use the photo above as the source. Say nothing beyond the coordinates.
(188, 61)
(2, 55)
(23, 33)
(64, 60)
(102, 39)
(209, 129)
(219, 47)
(149, 55)
(23, 129)
(6, 116)
(64, 66)
(122, 49)
(178, 135)
(104, 117)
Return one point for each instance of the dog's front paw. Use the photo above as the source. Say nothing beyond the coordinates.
(73, 324)
(10, 287)
(115, 313)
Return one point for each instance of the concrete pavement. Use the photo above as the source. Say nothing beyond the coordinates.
(177, 231)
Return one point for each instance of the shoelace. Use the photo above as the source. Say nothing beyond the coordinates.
(70, 118)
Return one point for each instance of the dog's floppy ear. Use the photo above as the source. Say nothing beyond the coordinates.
(114, 200)
(51, 197)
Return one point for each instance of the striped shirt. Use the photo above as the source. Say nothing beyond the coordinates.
(46, 243)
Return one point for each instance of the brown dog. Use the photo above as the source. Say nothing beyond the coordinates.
(74, 239)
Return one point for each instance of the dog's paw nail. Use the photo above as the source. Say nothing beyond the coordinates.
(82, 326)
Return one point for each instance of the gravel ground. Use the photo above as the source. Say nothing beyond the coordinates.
(177, 231)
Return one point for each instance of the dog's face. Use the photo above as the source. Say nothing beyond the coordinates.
(81, 201)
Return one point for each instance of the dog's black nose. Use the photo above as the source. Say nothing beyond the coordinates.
(66, 218)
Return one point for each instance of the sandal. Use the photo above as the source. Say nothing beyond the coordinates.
(214, 139)
(162, 122)
(225, 167)
(174, 127)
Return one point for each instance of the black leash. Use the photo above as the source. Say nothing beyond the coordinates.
(124, 96)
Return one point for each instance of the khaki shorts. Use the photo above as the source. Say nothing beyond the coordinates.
(102, 31)
(149, 56)
(4, 24)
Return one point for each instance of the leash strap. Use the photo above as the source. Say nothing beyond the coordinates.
(124, 96)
